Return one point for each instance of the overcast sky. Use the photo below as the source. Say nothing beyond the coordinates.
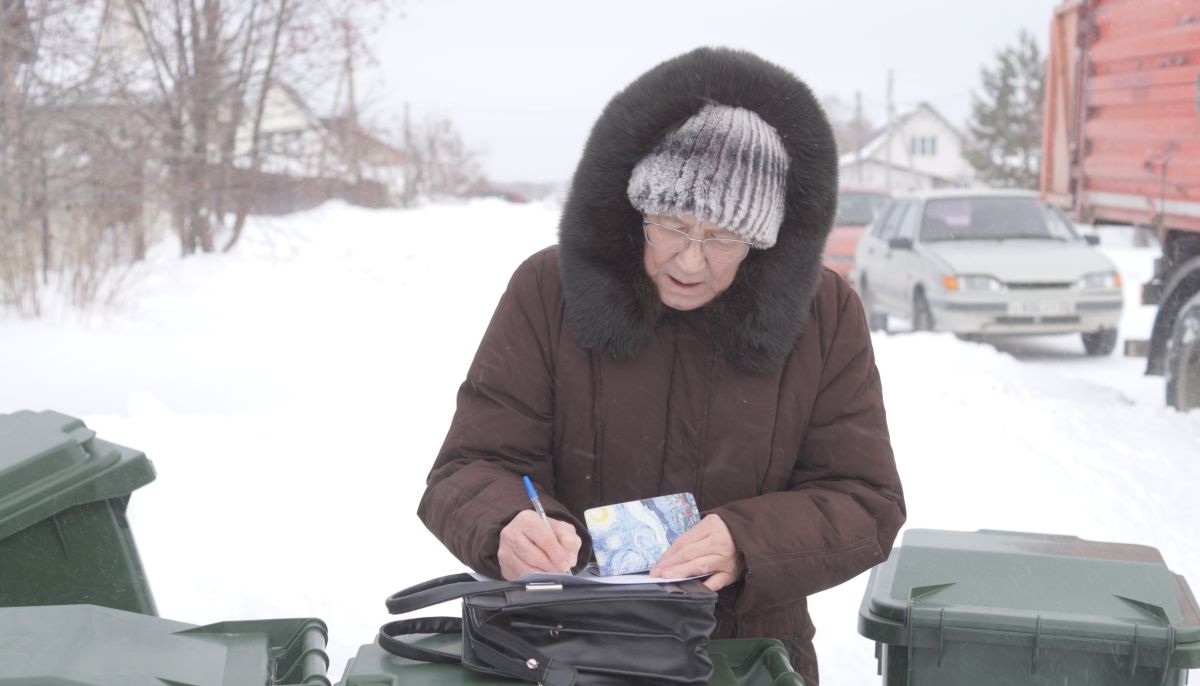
(524, 80)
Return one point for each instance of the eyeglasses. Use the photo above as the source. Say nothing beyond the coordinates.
(671, 239)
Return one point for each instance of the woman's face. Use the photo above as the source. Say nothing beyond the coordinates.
(687, 280)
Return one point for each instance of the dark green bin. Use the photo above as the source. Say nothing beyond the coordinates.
(996, 607)
(736, 662)
(63, 534)
(87, 645)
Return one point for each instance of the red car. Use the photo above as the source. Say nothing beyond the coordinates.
(857, 207)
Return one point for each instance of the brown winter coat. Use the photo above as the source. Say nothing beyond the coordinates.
(765, 404)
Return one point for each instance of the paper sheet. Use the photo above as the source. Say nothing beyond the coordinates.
(589, 575)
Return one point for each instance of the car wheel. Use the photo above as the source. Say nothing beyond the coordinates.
(1098, 343)
(922, 317)
(876, 321)
(1183, 358)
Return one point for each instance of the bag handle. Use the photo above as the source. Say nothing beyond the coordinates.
(422, 595)
(389, 640)
(514, 657)
(441, 589)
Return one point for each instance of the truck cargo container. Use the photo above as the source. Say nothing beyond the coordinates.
(1121, 145)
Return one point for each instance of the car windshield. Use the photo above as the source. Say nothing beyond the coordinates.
(857, 208)
(996, 218)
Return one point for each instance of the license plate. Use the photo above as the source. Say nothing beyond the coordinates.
(1041, 308)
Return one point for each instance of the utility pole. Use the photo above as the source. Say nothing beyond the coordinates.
(891, 121)
(858, 137)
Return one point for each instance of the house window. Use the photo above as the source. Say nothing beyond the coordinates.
(288, 142)
(922, 145)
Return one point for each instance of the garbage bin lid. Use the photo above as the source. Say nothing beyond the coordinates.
(88, 645)
(50, 462)
(1022, 583)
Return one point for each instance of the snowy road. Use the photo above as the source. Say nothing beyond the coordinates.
(293, 394)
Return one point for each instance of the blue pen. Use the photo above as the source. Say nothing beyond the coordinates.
(533, 496)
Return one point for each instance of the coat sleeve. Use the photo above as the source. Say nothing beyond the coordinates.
(503, 428)
(843, 506)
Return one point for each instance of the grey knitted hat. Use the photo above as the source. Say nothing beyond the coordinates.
(724, 165)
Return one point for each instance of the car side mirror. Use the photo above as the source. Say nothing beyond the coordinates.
(900, 243)
(1092, 239)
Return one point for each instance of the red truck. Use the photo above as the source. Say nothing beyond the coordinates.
(1122, 146)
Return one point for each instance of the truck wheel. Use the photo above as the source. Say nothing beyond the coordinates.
(1183, 358)
(1099, 343)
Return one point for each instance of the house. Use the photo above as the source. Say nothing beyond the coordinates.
(292, 140)
(305, 158)
(364, 149)
(920, 149)
(300, 158)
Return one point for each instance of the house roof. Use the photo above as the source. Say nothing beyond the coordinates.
(880, 136)
(299, 101)
(349, 133)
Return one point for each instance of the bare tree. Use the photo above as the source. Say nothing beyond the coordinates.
(210, 67)
(15, 244)
(47, 151)
(436, 162)
(113, 109)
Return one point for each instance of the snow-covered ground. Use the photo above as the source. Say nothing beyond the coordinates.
(293, 394)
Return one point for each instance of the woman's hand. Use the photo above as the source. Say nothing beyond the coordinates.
(705, 548)
(528, 545)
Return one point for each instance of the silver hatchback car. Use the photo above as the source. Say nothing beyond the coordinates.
(979, 262)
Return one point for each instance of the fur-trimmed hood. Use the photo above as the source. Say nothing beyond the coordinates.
(611, 304)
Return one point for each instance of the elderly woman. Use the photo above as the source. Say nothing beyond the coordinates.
(683, 336)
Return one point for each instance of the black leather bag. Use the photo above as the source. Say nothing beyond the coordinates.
(564, 635)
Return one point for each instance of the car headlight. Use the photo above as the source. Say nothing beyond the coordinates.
(971, 282)
(1100, 281)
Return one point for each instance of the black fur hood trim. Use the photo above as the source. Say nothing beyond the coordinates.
(611, 304)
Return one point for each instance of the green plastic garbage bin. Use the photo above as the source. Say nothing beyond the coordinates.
(996, 607)
(736, 662)
(87, 645)
(63, 533)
